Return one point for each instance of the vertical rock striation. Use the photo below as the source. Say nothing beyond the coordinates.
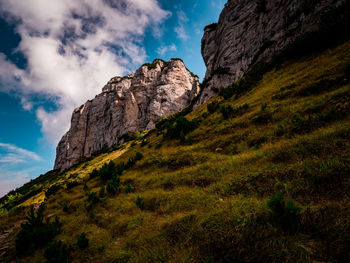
(252, 31)
(126, 105)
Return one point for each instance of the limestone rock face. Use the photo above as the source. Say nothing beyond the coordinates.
(252, 31)
(126, 105)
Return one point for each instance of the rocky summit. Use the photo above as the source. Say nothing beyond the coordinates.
(252, 31)
(126, 105)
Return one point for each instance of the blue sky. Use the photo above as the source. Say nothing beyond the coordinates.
(54, 55)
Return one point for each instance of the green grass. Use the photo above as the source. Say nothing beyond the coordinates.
(208, 200)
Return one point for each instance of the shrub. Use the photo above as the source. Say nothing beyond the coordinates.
(107, 171)
(133, 144)
(140, 203)
(129, 189)
(113, 185)
(52, 190)
(213, 106)
(226, 111)
(279, 131)
(299, 124)
(285, 213)
(101, 193)
(85, 188)
(57, 252)
(144, 142)
(347, 71)
(35, 233)
(182, 126)
(94, 174)
(228, 92)
(92, 199)
(83, 241)
(72, 184)
(159, 145)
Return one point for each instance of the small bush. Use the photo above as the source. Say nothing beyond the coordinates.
(228, 92)
(129, 189)
(279, 131)
(92, 198)
(85, 187)
(101, 193)
(83, 241)
(72, 184)
(347, 71)
(57, 252)
(285, 213)
(144, 142)
(299, 124)
(159, 145)
(140, 203)
(35, 233)
(94, 174)
(133, 144)
(113, 185)
(229, 112)
(52, 190)
(182, 126)
(226, 111)
(213, 106)
(107, 171)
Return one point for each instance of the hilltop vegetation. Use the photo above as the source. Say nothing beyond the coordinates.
(259, 177)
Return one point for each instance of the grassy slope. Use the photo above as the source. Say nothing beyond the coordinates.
(206, 202)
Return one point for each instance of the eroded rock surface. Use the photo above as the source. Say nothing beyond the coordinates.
(125, 106)
(251, 31)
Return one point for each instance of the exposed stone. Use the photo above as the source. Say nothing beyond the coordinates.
(252, 31)
(126, 105)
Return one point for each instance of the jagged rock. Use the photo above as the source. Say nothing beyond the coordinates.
(252, 31)
(126, 105)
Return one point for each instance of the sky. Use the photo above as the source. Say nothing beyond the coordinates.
(57, 54)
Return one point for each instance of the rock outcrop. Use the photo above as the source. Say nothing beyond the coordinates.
(252, 31)
(126, 105)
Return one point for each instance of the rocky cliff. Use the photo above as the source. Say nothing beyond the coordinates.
(126, 105)
(252, 31)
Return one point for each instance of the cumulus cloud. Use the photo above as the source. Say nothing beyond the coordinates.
(72, 49)
(162, 50)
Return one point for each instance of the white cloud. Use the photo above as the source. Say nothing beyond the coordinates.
(162, 50)
(73, 48)
(13, 154)
(180, 28)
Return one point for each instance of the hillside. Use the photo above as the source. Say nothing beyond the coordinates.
(258, 176)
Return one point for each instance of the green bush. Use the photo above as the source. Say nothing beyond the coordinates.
(113, 185)
(92, 198)
(229, 112)
(35, 233)
(101, 193)
(72, 184)
(57, 252)
(284, 213)
(107, 171)
(213, 106)
(83, 241)
(140, 203)
(94, 174)
(228, 92)
(52, 190)
(129, 189)
(347, 71)
(181, 127)
(226, 111)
